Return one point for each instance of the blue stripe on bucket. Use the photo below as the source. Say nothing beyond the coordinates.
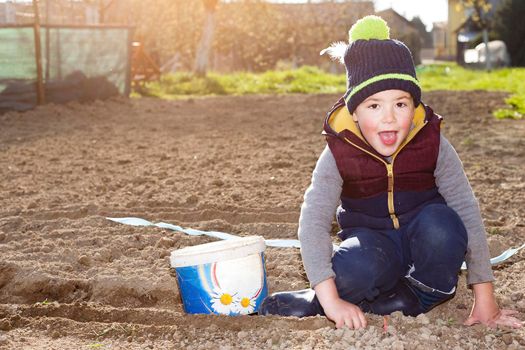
(279, 243)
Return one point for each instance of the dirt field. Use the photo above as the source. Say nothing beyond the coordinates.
(70, 279)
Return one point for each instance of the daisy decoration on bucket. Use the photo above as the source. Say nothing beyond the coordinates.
(244, 305)
(223, 302)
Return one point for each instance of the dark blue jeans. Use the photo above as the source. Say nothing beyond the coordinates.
(428, 252)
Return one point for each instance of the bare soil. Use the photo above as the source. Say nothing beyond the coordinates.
(70, 279)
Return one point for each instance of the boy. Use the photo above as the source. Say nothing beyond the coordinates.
(407, 214)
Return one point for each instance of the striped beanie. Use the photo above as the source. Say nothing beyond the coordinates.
(375, 63)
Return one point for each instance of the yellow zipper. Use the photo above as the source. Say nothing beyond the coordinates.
(390, 189)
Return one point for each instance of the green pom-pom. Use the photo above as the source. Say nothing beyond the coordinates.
(369, 27)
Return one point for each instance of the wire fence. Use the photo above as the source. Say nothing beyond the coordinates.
(78, 62)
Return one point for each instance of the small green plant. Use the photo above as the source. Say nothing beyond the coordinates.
(494, 230)
(517, 110)
(503, 113)
(467, 142)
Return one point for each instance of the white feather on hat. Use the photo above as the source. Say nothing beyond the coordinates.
(336, 51)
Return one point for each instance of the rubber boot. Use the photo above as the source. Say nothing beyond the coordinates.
(400, 298)
(301, 303)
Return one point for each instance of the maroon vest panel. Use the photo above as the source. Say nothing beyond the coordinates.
(365, 176)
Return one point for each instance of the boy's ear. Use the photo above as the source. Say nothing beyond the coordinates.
(354, 117)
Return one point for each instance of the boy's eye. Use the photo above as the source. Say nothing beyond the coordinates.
(401, 104)
(373, 106)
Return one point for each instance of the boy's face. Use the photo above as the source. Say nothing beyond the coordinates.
(385, 119)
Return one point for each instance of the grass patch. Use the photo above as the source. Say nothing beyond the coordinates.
(454, 77)
(303, 80)
(313, 80)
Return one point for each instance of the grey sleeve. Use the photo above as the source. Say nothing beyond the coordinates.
(315, 223)
(454, 186)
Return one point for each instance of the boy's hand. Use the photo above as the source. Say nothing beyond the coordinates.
(493, 318)
(336, 309)
(344, 313)
(486, 311)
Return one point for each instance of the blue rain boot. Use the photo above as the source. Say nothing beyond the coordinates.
(301, 303)
(406, 298)
(400, 298)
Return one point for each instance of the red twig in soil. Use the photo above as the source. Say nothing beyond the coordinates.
(385, 323)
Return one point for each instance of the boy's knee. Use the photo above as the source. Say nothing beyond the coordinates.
(438, 243)
(439, 228)
(357, 261)
(438, 214)
(360, 265)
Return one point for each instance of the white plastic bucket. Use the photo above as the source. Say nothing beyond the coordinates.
(225, 277)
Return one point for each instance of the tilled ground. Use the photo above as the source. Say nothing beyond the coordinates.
(70, 279)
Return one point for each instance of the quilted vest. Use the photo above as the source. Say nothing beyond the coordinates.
(379, 193)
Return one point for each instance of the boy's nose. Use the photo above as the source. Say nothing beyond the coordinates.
(388, 116)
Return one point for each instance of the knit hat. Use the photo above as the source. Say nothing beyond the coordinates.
(375, 63)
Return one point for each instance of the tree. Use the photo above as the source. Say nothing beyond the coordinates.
(422, 29)
(204, 48)
(508, 26)
(481, 8)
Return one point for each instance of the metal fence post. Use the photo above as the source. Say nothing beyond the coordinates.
(40, 93)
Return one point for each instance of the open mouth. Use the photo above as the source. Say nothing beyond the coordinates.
(388, 137)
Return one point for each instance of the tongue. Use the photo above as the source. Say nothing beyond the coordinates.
(388, 137)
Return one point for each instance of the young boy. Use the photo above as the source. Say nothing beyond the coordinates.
(407, 213)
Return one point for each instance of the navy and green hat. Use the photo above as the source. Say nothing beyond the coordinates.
(375, 63)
